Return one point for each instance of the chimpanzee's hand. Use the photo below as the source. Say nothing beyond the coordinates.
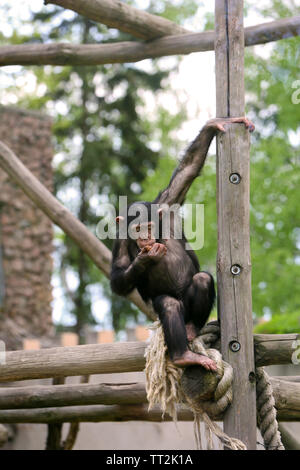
(153, 253)
(219, 123)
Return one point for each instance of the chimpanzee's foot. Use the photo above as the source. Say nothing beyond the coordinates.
(191, 331)
(190, 358)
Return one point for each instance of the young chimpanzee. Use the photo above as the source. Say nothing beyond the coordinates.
(163, 270)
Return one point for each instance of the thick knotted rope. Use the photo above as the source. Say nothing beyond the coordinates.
(210, 335)
(266, 411)
(265, 403)
(223, 392)
(208, 410)
(163, 387)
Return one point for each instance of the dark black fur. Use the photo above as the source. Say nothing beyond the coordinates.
(179, 292)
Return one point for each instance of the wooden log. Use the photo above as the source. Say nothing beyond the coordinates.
(62, 217)
(233, 259)
(287, 399)
(91, 413)
(75, 360)
(122, 52)
(289, 378)
(274, 349)
(117, 14)
(110, 358)
(46, 396)
(286, 394)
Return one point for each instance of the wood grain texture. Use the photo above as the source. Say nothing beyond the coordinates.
(289, 378)
(115, 357)
(234, 291)
(76, 360)
(117, 14)
(129, 51)
(62, 217)
(287, 399)
(123, 402)
(274, 349)
(90, 413)
(46, 396)
(286, 393)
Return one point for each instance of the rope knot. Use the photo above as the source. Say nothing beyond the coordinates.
(168, 385)
(206, 391)
(207, 394)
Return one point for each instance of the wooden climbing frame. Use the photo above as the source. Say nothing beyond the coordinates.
(233, 261)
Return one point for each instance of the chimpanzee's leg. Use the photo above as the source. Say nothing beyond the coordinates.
(198, 301)
(171, 314)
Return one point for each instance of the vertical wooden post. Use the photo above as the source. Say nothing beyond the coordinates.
(233, 260)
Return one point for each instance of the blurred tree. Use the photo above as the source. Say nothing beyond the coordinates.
(106, 143)
(275, 231)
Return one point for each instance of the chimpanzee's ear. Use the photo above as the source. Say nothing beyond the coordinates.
(119, 219)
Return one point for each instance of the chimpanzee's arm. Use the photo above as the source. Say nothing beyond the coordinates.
(188, 169)
(193, 160)
(124, 272)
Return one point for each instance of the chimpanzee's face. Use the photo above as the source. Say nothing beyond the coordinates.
(142, 223)
(145, 233)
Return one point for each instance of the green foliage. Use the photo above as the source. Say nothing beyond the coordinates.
(280, 324)
(275, 176)
(106, 143)
(175, 11)
(274, 179)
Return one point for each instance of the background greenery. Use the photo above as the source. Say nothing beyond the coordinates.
(107, 143)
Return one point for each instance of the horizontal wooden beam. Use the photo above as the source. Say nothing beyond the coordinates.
(289, 378)
(287, 399)
(274, 349)
(117, 357)
(117, 14)
(122, 52)
(86, 359)
(62, 217)
(287, 395)
(131, 406)
(90, 413)
(46, 396)
(99, 54)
